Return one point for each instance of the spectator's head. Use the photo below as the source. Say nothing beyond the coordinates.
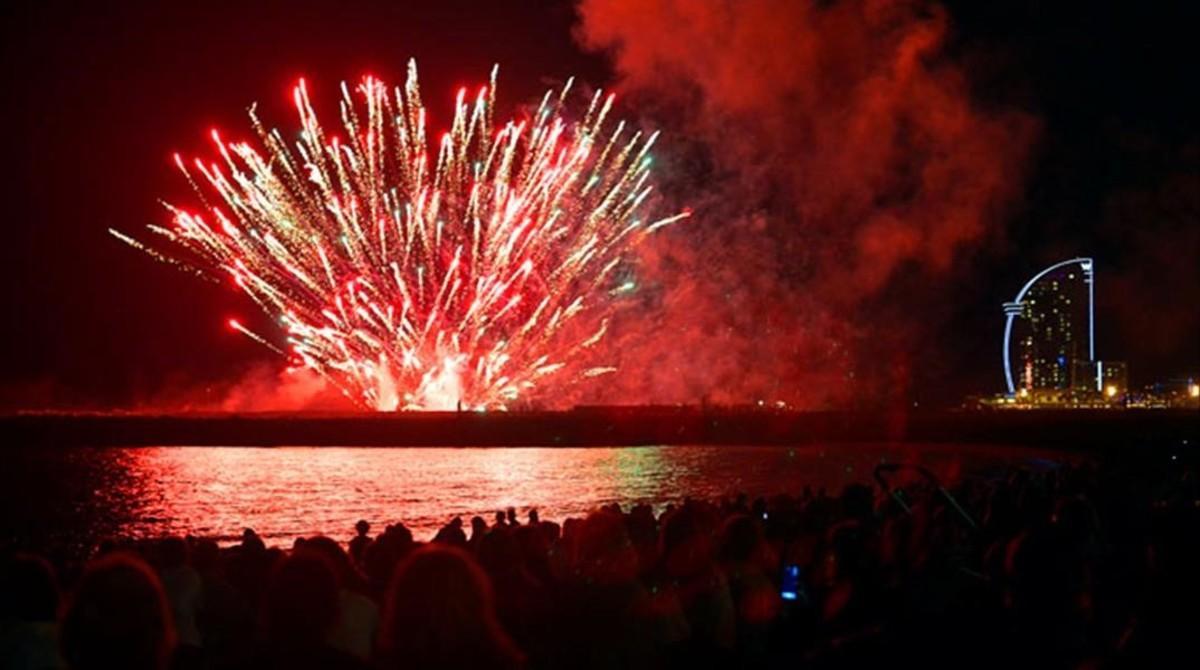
(741, 540)
(570, 530)
(439, 613)
(551, 530)
(643, 532)
(333, 552)
(362, 527)
(686, 541)
(500, 553)
(118, 617)
(452, 534)
(847, 555)
(381, 556)
(173, 552)
(534, 546)
(251, 542)
(478, 526)
(857, 502)
(604, 553)
(400, 535)
(28, 590)
(300, 605)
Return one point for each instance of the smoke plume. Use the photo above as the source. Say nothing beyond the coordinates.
(259, 388)
(832, 152)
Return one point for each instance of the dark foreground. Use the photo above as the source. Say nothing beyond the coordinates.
(609, 426)
(1093, 564)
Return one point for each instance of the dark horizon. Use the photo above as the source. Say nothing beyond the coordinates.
(1090, 112)
(1096, 432)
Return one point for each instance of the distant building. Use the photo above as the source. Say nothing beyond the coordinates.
(1050, 355)
(1083, 376)
(1113, 378)
(1049, 333)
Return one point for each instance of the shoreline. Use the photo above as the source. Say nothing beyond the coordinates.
(1085, 430)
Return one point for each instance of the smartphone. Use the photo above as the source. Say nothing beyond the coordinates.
(792, 586)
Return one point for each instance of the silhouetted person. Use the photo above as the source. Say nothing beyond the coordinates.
(358, 545)
(183, 587)
(439, 613)
(522, 603)
(1069, 566)
(607, 618)
(250, 563)
(384, 553)
(478, 530)
(748, 564)
(689, 573)
(452, 534)
(28, 609)
(511, 514)
(226, 619)
(117, 618)
(251, 542)
(358, 622)
(299, 612)
(643, 532)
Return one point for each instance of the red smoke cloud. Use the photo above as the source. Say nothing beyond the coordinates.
(260, 388)
(840, 170)
(827, 149)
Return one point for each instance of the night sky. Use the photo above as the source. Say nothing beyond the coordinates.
(1089, 144)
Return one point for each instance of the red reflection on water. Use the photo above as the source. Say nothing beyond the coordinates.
(287, 492)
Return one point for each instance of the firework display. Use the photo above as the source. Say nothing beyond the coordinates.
(467, 271)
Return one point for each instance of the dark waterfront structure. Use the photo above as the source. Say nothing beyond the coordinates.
(607, 427)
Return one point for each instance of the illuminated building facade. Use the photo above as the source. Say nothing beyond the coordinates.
(1114, 378)
(1049, 332)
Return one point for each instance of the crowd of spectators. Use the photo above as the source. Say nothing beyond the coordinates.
(1068, 566)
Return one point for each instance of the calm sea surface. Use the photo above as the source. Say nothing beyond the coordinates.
(64, 500)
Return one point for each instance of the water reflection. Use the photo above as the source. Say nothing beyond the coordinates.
(285, 492)
(81, 495)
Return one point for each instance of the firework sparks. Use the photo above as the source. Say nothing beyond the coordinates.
(414, 275)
